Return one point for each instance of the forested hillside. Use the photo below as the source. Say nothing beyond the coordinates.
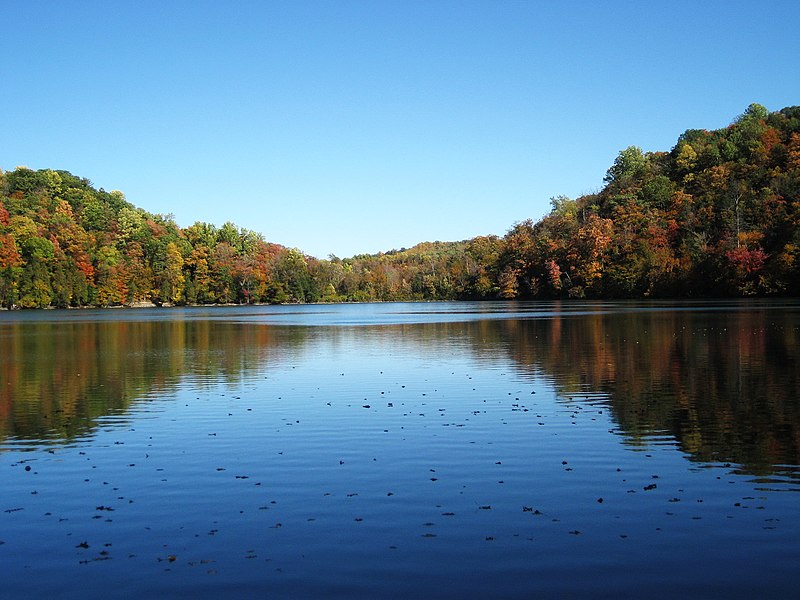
(718, 215)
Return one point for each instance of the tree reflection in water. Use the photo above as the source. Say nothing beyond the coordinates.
(722, 383)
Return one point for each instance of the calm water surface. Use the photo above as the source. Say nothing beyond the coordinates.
(459, 450)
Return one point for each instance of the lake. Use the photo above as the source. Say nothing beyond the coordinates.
(442, 450)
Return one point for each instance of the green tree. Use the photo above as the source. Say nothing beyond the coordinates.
(172, 280)
(629, 164)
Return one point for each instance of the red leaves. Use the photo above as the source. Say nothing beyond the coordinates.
(747, 261)
(4, 216)
(9, 255)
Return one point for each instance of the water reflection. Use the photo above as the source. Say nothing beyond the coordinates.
(721, 382)
(59, 377)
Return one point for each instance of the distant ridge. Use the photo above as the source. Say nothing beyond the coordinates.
(717, 215)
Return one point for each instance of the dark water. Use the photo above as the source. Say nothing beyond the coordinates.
(507, 450)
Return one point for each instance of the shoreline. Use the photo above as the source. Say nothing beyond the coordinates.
(150, 305)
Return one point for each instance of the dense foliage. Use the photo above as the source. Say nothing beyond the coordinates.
(717, 215)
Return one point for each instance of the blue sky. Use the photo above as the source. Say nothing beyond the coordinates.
(343, 127)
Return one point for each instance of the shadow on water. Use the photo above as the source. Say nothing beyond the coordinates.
(721, 383)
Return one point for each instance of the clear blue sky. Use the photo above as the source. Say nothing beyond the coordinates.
(356, 126)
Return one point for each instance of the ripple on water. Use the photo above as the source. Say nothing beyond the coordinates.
(489, 459)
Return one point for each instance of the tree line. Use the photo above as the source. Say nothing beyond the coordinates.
(717, 215)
